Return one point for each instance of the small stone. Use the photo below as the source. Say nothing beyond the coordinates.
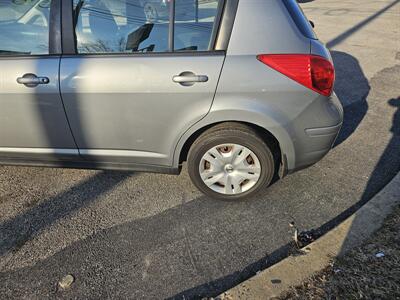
(66, 282)
(276, 281)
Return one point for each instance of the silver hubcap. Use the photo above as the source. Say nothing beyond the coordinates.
(230, 169)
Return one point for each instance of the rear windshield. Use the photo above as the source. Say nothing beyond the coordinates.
(300, 19)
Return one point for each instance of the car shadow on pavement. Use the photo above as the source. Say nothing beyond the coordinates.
(388, 164)
(127, 255)
(352, 88)
(14, 233)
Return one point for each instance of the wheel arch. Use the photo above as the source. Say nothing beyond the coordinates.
(274, 134)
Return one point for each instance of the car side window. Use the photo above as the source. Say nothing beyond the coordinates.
(142, 26)
(125, 26)
(194, 24)
(24, 27)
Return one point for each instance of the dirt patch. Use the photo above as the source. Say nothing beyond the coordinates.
(371, 271)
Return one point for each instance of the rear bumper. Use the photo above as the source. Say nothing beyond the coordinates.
(313, 143)
(324, 131)
(321, 141)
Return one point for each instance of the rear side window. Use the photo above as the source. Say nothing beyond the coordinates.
(142, 26)
(109, 26)
(24, 27)
(300, 19)
(195, 22)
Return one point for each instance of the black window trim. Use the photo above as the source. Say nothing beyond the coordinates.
(217, 24)
(227, 21)
(171, 31)
(299, 18)
(55, 46)
(55, 32)
(220, 36)
(68, 32)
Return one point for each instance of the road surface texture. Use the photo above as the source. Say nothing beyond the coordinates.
(134, 235)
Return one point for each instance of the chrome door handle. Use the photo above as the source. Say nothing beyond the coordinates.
(183, 79)
(189, 78)
(31, 80)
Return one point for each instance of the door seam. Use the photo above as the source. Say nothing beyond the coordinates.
(63, 104)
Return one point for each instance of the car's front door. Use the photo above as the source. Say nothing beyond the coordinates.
(133, 87)
(33, 124)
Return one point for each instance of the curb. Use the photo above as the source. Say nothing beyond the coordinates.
(294, 270)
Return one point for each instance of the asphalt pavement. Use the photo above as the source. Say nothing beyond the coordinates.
(137, 235)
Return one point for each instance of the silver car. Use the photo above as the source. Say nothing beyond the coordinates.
(242, 90)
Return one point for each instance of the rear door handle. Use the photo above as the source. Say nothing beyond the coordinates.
(189, 78)
(183, 79)
(31, 80)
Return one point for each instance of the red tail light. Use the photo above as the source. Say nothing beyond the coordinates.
(312, 71)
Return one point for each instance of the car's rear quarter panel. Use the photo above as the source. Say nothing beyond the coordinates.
(249, 91)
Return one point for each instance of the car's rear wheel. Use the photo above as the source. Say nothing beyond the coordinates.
(231, 162)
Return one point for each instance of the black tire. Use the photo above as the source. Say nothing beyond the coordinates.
(231, 133)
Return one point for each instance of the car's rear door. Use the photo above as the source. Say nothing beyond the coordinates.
(33, 124)
(133, 85)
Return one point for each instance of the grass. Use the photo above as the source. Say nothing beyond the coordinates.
(360, 274)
